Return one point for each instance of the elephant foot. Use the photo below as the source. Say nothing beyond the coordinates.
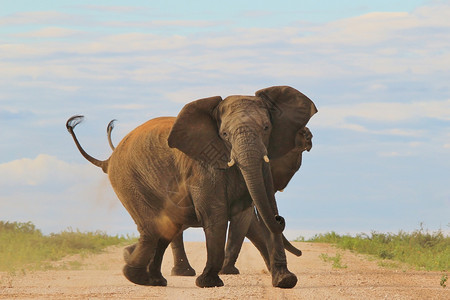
(205, 281)
(157, 281)
(284, 279)
(137, 275)
(127, 252)
(229, 270)
(182, 271)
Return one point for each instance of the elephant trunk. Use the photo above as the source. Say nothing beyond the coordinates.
(256, 173)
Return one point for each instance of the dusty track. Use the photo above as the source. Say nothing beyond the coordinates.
(100, 277)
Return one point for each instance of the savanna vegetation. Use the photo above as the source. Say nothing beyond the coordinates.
(23, 246)
(421, 249)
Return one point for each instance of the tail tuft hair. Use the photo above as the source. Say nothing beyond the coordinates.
(73, 122)
(108, 133)
(110, 125)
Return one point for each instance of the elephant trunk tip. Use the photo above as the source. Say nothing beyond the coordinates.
(280, 220)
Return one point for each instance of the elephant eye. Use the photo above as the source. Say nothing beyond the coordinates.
(266, 127)
(224, 134)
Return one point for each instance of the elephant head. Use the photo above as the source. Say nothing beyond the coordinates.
(245, 131)
(285, 167)
(303, 139)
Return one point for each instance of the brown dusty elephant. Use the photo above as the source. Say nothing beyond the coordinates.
(200, 169)
(283, 169)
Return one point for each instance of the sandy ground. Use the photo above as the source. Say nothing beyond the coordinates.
(100, 277)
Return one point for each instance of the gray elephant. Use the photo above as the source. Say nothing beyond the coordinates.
(202, 168)
(283, 169)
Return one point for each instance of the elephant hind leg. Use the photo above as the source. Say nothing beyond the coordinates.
(137, 258)
(127, 252)
(238, 228)
(181, 266)
(154, 268)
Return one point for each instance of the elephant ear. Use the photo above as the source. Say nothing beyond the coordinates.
(290, 111)
(195, 133)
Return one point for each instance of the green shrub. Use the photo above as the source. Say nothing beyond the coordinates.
(22, 246)
(420, 248)
(336, 260)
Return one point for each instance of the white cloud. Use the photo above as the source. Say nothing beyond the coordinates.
(130, 106)
(385, 42)
(41, 18)
(367, 29)
(192, 93)
(163, 24)
(116, 9)
(377, 27)
(55, 195)
(42, 169)
(393, 154)
(394, 112)
(375, 43)
(49, 32)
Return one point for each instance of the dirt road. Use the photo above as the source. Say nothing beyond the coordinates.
(100, 277)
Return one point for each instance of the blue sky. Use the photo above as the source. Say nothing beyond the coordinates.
(378, 72)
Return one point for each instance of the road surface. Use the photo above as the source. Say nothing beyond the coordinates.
(99, 277)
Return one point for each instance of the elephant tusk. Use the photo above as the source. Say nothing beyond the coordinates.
(282, 190)
(231, 163)
(266, 159)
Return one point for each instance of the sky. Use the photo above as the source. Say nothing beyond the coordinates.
(378, 72)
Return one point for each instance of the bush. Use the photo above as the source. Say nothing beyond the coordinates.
(24, 246)
(421, 248)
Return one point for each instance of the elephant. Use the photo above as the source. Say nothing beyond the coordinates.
(202, 168)
(283, 169)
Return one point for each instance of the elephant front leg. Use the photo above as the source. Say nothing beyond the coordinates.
(181, 266)
(239, 225)
(281, 276)
(215, 242)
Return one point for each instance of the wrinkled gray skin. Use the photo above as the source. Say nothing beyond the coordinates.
(283, 169)
(171, 173)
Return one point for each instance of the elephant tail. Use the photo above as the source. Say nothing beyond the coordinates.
(289, 247)
(108, 132)
(71, 124)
